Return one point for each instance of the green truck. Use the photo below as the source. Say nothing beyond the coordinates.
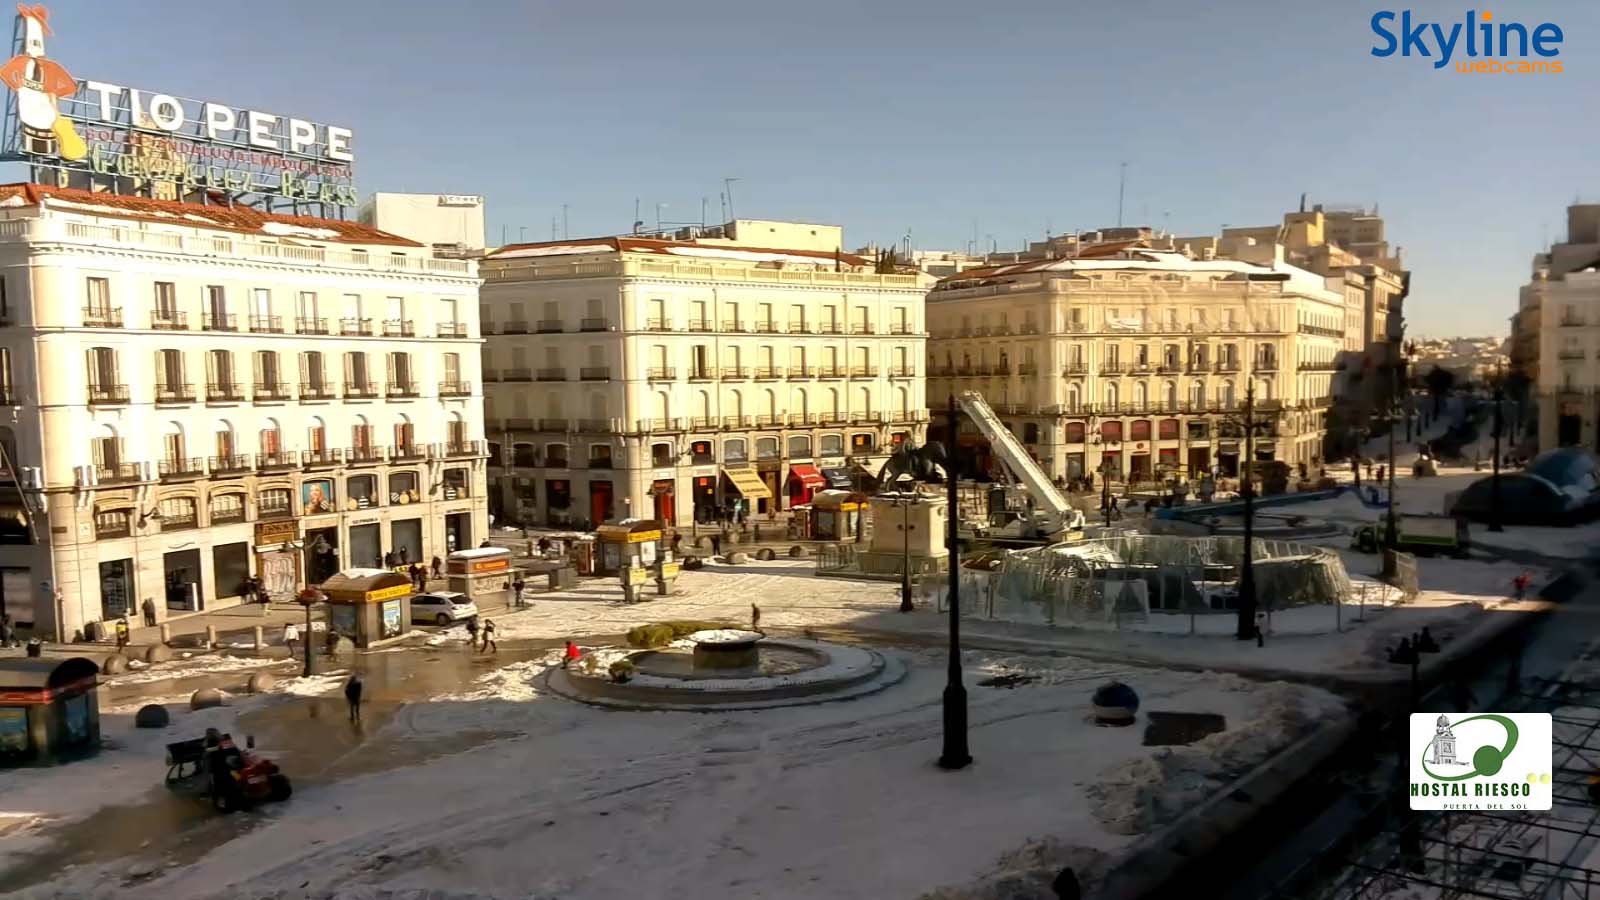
(1422, 535)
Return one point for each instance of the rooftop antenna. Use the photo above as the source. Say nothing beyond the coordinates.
(723, 196)
(566, 233)
(553, 229)
(638, 223)
(1302, 201)
(703, 202)
(1122, 184)
(727, 185)
(504, 239)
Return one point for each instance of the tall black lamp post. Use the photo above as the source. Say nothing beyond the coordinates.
(1494, 480)
(955, 754)
(1246, 625)
(308, 598)
(904, 502)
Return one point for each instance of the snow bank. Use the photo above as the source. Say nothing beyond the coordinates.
(1148, 793)
(204, 664)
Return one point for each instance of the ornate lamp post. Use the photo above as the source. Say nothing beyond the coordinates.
(903, 501)
(955, 754)
(309, 598)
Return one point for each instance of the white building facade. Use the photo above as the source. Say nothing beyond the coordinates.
(672, 379)
(199, 395)
(1137, 362)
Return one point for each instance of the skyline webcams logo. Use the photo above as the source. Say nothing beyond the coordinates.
(1481, 761)
(1479, 35)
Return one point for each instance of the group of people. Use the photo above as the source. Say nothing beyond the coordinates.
(485, 631)
(419, 574)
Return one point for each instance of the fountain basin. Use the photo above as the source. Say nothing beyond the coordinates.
(726, 648)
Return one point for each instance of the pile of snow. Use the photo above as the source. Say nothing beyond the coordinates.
(1139, 797)
(205, 664)
(286, 230)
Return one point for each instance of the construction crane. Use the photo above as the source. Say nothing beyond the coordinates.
(1050, 514)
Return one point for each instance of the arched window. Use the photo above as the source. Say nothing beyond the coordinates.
(663, 408)
(555, 456)
(1073, 399)
(1167, 430)
(1170, 395)
(1111, 431)
(1074, 432)
(1141, 394)
(1111, 395)
(1140, 430)
(902, 402)
(863, 406)
(227, 446)
(1197, 394)
(1225, 394)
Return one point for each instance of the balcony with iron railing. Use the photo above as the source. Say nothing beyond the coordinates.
(802, 372)
(1266, 364)
(361, 390)
(176, 467)
(863, 328)
(1199, 366)
(516, 326)
(733, 325)
(661, 373)
(1568, 353)
(518, 374)
(266, 324)
(1028, 368)
(364, 455)
(830, 328)
(316, 390)
(702, 423)
(702, 373)
(353, 327)
(233, 464)
(270, 460)
(225, 392)
(799, 328)
(1075, 368)
(736, 422)
(594, 323)
(828, 373)
(1324, 366)
(658, 324)
(460, 449)
(551, 373)
(902, 372)
(102, 317)
(701, 325)
(594, 373)
(900, 328)
(1112, 368)
(451, 329)
(770, 421)
(327, 456)
(175, 393)
(399, 328)
(310, 325)
(671, 424)
(1169, 367)
(455, 388)
(407, 453)
(120, 472)
(768, 373)
(1572, 321)
(219, 322)
(591, 426)
(551, 424)
(402, 389)
(107, 394)
(735, 373)
(1227, 365)
(768, 327)
(169, 320)
(549, 326)
(268, 391)
(863, 371)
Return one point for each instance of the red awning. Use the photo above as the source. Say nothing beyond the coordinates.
(808, 475)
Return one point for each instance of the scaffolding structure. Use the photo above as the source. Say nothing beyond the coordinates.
(1504, 855)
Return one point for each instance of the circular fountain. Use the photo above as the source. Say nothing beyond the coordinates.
(727, 668)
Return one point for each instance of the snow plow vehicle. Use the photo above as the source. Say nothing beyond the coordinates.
(214, 768)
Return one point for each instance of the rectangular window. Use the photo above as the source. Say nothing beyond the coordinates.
(452, 368)
(99, 294)
(307, 305)
(216, 301)
(166, 301)
(261, 302)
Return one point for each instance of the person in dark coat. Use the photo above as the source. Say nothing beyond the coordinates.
(149, 607)
(352, 694)
(437, 565)
(755, 617)
(472, 632)
(488, 637)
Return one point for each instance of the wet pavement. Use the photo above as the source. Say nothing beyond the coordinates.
(311, 738)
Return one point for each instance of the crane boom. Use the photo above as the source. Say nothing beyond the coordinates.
(1015, 456)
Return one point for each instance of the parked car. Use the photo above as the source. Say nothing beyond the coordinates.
(442, 607)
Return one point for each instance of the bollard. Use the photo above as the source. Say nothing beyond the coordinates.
(166, 633)
(211, 637)
(259, 643)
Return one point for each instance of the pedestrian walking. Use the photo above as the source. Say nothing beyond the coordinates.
(437, 565)
(1261, 635)
(488, 637)
(472, 632)
(570, 655)
(516, 591)
(352, 695)
(122, 632)
(8, 632)
(291, 634)
(1520, 584)
(544, 546)
(755, 617)
(1116, 510)
(716, 545)
(149, 607)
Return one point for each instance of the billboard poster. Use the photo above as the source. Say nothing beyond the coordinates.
(389, 620)
(13, 730)
(316, 497)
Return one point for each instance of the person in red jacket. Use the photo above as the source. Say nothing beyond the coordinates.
(571, 655)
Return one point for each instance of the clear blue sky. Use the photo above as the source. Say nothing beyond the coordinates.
(928, 115)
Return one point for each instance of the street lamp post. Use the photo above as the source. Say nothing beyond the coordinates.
(1246, 625)
(904, 502)
(955, 754)
(309, 598)
(1494, 480)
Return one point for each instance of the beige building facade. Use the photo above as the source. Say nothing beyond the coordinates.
(197, 395)
(1137, 361)
(1555, 338)
(662, 378)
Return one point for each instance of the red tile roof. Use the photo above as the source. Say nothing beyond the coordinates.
(243, 219)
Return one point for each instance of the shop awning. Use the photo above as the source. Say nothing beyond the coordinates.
(838, 479)
(748, 482)
(808, 475)
(873, 467)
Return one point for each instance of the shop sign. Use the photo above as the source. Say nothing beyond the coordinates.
(279, 532)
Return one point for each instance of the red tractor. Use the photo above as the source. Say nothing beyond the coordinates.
(214, 768)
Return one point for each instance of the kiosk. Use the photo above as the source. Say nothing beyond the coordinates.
(635, 552)
(49, 709)
(836, 515)
(479, 572)
(368, 606)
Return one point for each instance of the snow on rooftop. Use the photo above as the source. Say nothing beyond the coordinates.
(757, 256)
(478, 552)
(284, 229)
(553, 250)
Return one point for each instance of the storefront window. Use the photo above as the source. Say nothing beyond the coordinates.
(403, 488)
(406, 536)
(558, 493)
(700, 453)
(455, 484)
(361, 491)
(116, 587)
(230, 566)
(660, 455)
(1198, 430)
(227, 507)
(863, 443)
